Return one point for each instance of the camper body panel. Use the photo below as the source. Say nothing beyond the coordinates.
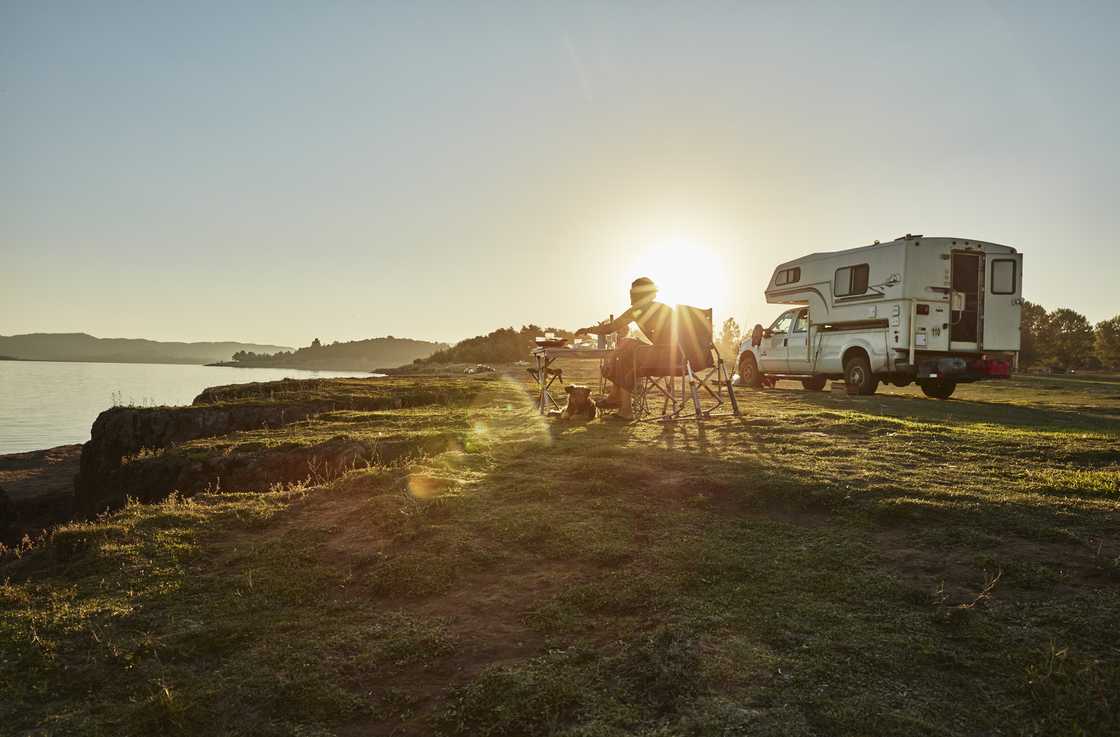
(831, 347)
(907, 306)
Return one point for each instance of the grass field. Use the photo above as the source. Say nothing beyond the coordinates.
(823, 565)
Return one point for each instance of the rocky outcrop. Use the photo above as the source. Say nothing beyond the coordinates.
(253, 468)
(133, 452)
(37, 491)
(6, 515)
(122, 432)
(357, 394)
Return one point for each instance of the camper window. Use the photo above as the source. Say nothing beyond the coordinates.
(1003, 276)
(851, 280)
(788, 276)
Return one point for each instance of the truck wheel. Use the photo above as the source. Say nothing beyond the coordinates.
(939, 389)
(814, 383)
(858, 376)
(748, 372)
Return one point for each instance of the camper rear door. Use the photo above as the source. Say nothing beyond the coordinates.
(1003, 301)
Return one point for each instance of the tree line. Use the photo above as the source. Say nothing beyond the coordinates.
(349, 355)
(504, 345)
(1065, 339)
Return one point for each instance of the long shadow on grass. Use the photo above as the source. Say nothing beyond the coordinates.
(1099, 419)
(725, 595)
(684, 459)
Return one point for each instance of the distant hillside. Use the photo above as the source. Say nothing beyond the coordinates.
(356, 355)
(504, 345)
(83, 347)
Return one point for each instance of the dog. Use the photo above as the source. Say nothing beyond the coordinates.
(580, 405)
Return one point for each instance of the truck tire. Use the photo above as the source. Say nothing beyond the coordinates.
(814, 383)
(858, 376)
(938, 389)
(749, 374)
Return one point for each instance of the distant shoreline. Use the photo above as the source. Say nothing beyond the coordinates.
(235, 364)
(181, 363)
(154, 362)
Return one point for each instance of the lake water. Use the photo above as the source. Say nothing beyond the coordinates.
(47, 403)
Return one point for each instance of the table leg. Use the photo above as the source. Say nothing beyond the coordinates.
(542, 368)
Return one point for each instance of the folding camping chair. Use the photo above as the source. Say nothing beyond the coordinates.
(692, 358)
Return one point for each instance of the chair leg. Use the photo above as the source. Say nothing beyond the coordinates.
(640, 402)
(695, 391)
(723, 379)
(730, 390)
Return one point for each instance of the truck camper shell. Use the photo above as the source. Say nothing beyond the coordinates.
(918, 309)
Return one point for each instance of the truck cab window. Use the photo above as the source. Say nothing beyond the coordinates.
(851, 281)
(782, 324)
(801, 323)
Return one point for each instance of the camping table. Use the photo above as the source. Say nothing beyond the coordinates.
(545, 357)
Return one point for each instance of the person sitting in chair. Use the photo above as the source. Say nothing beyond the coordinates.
(654, 319)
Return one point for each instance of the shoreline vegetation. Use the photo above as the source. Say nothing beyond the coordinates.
(504, 345)
(430, 556)
(355, 355)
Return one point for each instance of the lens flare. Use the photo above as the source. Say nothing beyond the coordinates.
(685, 271)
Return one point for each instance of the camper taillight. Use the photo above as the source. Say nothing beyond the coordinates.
(993, 367)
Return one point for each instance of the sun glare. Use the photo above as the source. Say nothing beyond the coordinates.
(685, 271)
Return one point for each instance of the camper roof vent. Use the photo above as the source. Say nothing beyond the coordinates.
(910, 237)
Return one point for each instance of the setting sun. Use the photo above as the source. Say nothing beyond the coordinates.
(685, 271)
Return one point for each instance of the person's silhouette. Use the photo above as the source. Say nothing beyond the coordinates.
(654, 320)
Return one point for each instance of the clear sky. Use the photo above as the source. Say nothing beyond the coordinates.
(279, 171)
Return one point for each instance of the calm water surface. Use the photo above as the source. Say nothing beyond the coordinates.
(44, 403)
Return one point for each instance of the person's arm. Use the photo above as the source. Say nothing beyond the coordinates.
(608, 327)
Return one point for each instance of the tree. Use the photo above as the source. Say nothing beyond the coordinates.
(316, 344)
(1108, 342)
(1033, 334)
(729, 338)
(1072, 336)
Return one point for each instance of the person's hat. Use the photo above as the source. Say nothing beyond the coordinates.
(643, 289)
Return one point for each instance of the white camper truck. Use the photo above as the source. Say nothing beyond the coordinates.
(936, 311)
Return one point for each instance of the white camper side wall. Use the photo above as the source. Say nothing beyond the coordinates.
(886, 263)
